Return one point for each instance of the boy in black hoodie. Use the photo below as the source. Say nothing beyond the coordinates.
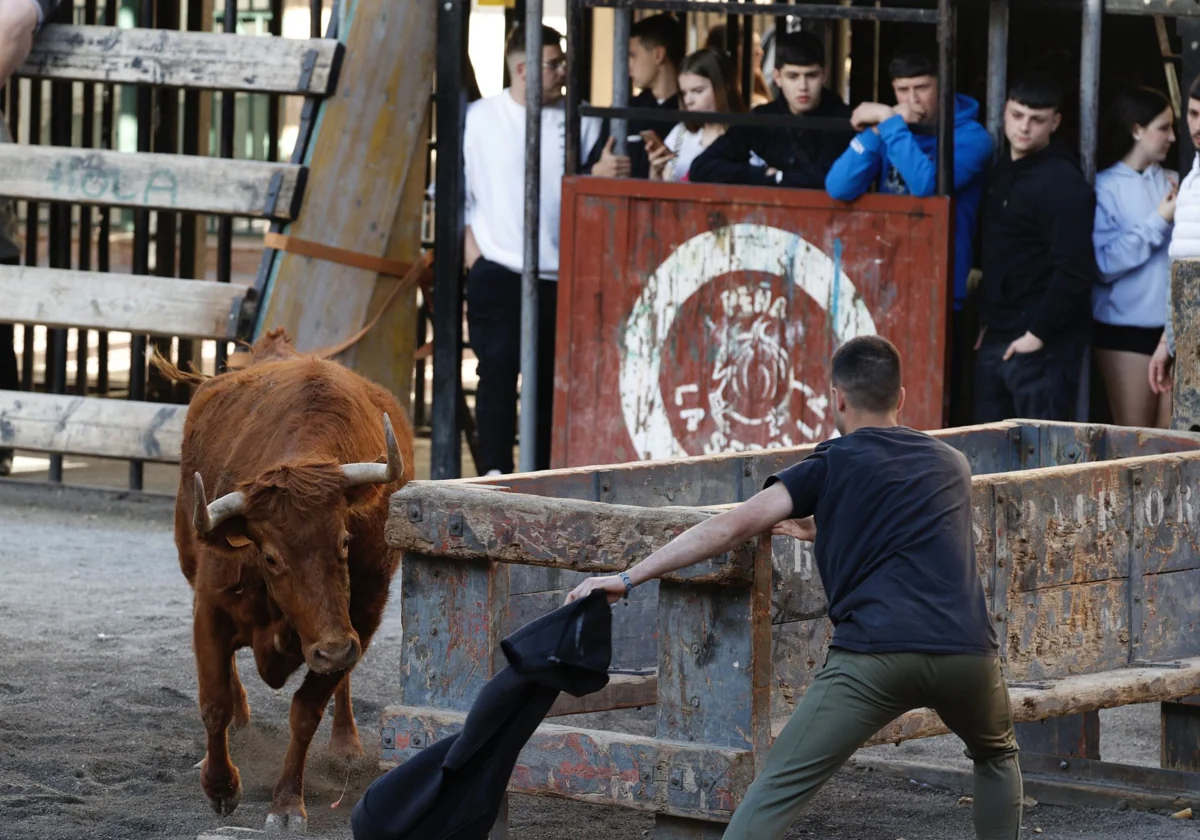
(794, 157)
(1038, 267)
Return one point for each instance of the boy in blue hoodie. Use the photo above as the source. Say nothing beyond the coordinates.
(904, 163)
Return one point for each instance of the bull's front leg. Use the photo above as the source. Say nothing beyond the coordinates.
(212, 637)
(344, 742)
(308, 707)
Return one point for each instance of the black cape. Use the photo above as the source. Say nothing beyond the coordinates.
(452, 790)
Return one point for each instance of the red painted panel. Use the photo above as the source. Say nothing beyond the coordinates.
(699, 318)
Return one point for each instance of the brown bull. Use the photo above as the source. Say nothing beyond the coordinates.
(279, 524)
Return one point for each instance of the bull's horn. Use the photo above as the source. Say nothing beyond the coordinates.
(371, 472)
(205, 517)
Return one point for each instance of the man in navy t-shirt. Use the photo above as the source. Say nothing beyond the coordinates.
(889, 510)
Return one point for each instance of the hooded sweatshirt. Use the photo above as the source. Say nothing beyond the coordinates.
(1039, 265)
(904, 163)
(803, 155)
(1131, 241)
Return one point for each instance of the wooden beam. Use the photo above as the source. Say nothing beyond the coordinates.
(604, 768)
(362, 153)
(102, 301)
(205, 60)
(466, 523)
(184, 183)
(624, 691)
(91, 426)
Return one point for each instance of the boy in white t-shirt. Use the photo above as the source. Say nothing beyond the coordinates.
(494, 161)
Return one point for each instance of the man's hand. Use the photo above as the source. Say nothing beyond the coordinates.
(1161, 364)
(801, 529)
(610, 165)
(471, 250)
(1028, 343)
(870, 114)
(910, 113)
(612, 584)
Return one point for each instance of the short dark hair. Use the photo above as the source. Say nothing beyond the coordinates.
(662, 30)
(1037, 90)
(908, 64)
(1194, 90)
(551, 37)
(867, 370)
(802, 49)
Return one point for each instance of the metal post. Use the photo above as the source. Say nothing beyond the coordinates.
(446, 424)
(225, 223)
(1089, 85)
(574, 85)
(997, 91)
(620, 98)
(529, 274)
(141, 245)
(60, 252)
(946, 25)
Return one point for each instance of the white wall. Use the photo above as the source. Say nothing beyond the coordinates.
(486, 44)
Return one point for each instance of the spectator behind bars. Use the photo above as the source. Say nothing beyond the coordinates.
(1185, 245)
(656, 48)
(494, 173)
(1038, 266)
(760, 94)
(1135, 210)
(705, 84)
(887, 152)
(795, 156)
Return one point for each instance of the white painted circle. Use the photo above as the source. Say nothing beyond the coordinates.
(691, 266)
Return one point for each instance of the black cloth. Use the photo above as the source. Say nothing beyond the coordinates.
(803, 155)
(639, 161)
(452, 789)
(1126, 338)
(494, 320)
(1039, 264)
(894, 545)
(1032, 386)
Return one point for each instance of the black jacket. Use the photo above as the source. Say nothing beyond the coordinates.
(1039, 264)
(639, 161)
(803, 155)
(452, 789)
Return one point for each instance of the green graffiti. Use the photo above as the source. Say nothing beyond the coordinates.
(89, 179)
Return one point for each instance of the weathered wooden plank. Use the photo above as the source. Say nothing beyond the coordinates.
(100, 301)
(185, 183)
(1170, 618)
(624, 691)
(452, 616)
(91, 426)
(368, 135)
(466, 523)
(205, 60)
(1185, 300)
(634, 635)
(1166, 514)
(1072, 629)
(605, 768)
(1180, 737)
(798, 651)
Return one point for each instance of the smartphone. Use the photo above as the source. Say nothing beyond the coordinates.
(652, 140)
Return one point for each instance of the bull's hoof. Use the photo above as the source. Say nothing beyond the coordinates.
(346, 747)
(224, 795)
(290, 820)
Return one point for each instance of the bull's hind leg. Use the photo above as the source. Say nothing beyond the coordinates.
(344, 742)
(241, 706)
(308, 706)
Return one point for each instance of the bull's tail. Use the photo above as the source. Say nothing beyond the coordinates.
(171, 371)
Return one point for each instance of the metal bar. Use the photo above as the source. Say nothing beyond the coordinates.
(225, 223)
(574, 86)
(189, 235)
(274, 99)
(104, 232)
(813, 12)
(88, 141)
(166, 139)
(1089, 85)
(32, 231)
(59, 253)
(620, 97)
(529, 273)
(781, 120)
(141, 246)
(947, 18)
(1170, 8)
(315, 8)
(452, 24)
(997, 81)
(747, 59)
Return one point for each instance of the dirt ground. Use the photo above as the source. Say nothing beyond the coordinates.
(99, 731)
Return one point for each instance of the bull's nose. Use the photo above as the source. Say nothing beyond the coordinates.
(333, 656)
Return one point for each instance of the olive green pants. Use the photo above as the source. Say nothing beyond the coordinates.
(857, 694)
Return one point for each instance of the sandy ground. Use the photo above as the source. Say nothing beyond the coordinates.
(99, 731)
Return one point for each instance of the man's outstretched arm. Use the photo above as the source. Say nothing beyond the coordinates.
(18, 22)
(712, 537)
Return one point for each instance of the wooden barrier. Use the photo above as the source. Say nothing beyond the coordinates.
(697, 318)
(1084, 538)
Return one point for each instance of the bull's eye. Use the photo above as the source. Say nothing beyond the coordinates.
(270, 560)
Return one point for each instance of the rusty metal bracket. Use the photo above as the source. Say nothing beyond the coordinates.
(307, 65)
(273, 189)
(454, 525)
(1142, 663)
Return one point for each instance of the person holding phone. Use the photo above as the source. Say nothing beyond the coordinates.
(706, 84)
(1135, 211)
